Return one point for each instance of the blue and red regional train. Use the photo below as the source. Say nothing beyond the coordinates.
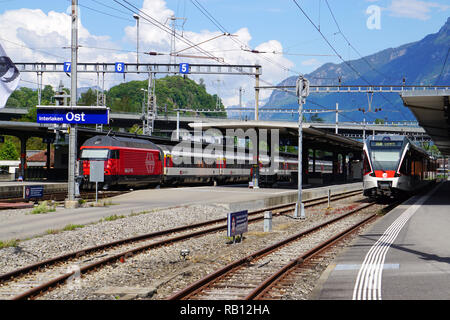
(393, 165)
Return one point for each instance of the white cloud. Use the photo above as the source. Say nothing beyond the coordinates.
(154, 39)
(414, 9)
(49, 33)
(30, 35)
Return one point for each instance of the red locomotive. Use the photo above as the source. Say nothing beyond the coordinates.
(128, 161)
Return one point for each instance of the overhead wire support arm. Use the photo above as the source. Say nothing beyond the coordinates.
(359, 88)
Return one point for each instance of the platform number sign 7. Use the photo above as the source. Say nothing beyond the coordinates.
(184, 68)
(120, 67)
(67, 66)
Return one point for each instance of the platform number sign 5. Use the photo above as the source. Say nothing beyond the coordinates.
(67, 66)
(184, 68)
(120, 67)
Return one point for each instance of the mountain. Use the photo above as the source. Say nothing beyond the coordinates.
(418, 63)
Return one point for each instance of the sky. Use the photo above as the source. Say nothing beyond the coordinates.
(290, 41)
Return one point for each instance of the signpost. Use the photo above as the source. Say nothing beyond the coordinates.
(68, 67)
(237, 224)
(119, 67)
(74, 115)
(97, 174)
(33, 192)
(184, 68)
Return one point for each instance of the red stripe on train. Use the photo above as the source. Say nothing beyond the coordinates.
(385, 174)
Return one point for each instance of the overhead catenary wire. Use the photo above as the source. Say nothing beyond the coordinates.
(361, 56)
(244, 46)
(347, 63)
(142, 14)
(350, 45)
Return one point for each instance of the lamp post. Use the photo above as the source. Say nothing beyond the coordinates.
(302, 90)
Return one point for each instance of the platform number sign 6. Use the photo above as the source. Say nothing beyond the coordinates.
(120, 67)
(184, 68)
(67, 66)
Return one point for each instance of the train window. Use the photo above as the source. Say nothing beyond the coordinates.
(366, 165)
(385, 160)
(406, 165)
(115, 154)
(87, 154)
(385, 155)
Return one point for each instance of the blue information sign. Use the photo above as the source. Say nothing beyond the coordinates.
(120, 67)
(34, 192)
(77, 115)
(67, 66)
(237, 223)
(184, 68)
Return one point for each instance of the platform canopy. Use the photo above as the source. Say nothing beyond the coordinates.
(287, 130)
(431, 109)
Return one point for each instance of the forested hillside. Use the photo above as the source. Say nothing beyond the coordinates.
(172, 92)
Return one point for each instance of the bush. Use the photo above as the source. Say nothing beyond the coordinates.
(43, 207)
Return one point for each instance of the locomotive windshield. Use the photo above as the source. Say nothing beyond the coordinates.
(87, 154)
(385, 155)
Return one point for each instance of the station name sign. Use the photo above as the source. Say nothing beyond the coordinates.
(72, 115)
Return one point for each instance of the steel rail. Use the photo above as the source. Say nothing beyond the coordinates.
(271, 281)
(209, 279)
(265, 287)
(79, 253)
(43, 287)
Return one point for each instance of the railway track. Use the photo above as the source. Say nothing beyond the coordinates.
(31, 281)
(281, 281)
(256, 275)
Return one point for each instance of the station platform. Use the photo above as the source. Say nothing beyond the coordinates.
(15, 189)
(403, 256)
(232, 198)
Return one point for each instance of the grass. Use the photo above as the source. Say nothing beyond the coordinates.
(71, 227)
(114, 217)
(68, 227)
(8, 243)
(43, 207)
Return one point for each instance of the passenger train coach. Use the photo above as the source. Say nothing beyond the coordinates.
(136, 162)
(393, 166)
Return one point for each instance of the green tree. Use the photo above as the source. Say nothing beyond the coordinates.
(89, 98)
(8, 151)
(315, 118)
(175, 92)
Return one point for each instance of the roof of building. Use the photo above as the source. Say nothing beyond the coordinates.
(431, 109)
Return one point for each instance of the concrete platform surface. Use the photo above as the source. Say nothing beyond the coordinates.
(404, 256)
(233, 198)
